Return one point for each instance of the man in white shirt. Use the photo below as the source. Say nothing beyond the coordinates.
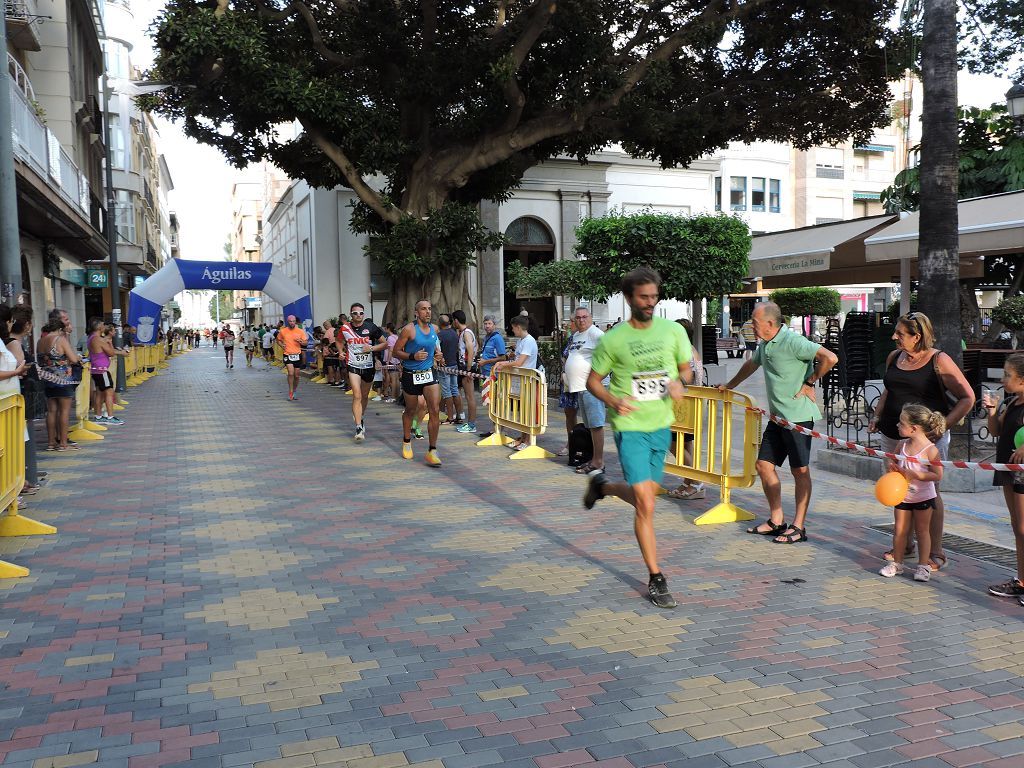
(268, 344)
(577, 368)
(248, 339)
(527, 355)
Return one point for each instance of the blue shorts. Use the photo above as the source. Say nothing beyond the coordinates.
(591, 411)
(449, 385)
(642, 454)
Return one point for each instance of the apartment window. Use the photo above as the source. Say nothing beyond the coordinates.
(124, 210)
(117, 153)
(774, 195)
(738, 193)
(757, 194)
(718, 193)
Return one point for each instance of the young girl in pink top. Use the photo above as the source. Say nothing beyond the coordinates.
(920, 428)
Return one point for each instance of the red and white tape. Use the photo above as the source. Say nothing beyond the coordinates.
(987, 465)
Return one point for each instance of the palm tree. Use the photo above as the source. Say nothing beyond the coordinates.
(938, 243)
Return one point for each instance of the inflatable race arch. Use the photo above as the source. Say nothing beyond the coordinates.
(177, 275)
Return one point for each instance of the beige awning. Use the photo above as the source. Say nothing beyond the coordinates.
(819, 248)
(988, 226)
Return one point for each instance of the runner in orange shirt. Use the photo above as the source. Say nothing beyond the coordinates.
(292, 341)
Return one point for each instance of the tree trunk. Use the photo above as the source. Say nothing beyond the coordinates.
(445, 291)
(938, 243)
(970, 312)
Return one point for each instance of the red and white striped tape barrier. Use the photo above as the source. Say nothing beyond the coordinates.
(850, 445)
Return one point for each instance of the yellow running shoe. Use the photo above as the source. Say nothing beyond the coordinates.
(406, 450)
(431, 459)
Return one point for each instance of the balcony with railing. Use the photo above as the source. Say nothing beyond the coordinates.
(37, 147)
(21, 25)
(148, 194)
(828, 172)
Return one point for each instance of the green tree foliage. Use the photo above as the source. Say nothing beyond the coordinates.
(1010, 312)
(697, 256)
(227, 305)
(991, 160)
(802, 302)
(422, 107)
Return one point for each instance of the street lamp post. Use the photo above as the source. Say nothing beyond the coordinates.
(115, 283)
(10, 242)
(1015, 106)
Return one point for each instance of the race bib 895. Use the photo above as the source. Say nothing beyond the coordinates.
(650, 385)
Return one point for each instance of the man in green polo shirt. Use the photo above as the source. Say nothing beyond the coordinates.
(648, 358)
(792, 364)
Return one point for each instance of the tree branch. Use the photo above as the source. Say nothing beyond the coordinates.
(355, 180)
(315, 35)
(494, 147)
(515, 99)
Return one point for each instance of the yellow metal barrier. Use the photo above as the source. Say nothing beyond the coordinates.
(704, 420)
(84, 431)
(519, 402)
(12, 478)
(318, 375)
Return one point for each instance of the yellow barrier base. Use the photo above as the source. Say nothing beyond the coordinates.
(93, 427)
(496, 439)
(12, 571)
(118, 407)
(16, 525)
(318, 379)
(532, 452)
(83, 435)
(725, 512)
(120, 401)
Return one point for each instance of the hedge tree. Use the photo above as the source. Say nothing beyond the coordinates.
(1010, 312)
(427, 107)
(804, 302)
(697, 256)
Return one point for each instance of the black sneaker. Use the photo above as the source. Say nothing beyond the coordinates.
(657, 590)
(1012, 588)
(595, 489)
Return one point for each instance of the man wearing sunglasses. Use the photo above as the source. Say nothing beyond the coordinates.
(362, 340)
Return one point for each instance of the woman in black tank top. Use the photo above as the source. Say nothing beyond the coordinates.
(918, 373)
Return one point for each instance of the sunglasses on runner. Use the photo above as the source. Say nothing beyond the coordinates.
(359, 313)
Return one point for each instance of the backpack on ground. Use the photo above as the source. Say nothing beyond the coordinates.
(581, 446)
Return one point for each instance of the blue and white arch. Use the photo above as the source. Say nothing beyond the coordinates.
(177, 275)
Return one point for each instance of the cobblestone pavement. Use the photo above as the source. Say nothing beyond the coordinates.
(235, 583)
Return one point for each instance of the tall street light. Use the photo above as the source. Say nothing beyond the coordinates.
(1015, 105)
(10, 241)
(128, 88)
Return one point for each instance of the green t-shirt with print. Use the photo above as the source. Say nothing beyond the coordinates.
(641, 362)
(788, 361)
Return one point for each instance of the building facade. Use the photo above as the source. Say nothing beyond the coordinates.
(54, 61)
(141, 177)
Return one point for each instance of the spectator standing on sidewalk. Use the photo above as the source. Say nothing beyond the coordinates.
(451, 400)
(916, 372)
(792, 365)
(467, 357)
(590, 409)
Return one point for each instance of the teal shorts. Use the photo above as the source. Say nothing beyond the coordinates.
(642, 454)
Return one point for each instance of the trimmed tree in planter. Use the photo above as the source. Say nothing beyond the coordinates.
(807, 302)
(697, 257)
(1010, 312)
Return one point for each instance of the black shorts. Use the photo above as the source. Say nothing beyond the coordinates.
(417, 389)
(366, 374)
(779, 444)
(916, 506)
(295, 360)
(331, 362)
(1002, 478)
(102, 380)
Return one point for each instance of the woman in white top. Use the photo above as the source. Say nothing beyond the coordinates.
(690, 490)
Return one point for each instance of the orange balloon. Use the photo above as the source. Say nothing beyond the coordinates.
(891, 488)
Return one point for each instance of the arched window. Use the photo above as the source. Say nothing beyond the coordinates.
(528, 231)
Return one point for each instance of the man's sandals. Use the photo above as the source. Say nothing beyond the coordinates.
(781, 533)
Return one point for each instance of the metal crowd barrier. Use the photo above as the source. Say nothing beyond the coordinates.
(705, 420)
(519, 402)
(12, 478)
(84, 430)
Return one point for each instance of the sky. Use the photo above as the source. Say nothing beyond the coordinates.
(203, 179)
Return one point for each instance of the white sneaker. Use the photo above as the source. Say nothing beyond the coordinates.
(360, 434)
(923, 573)
(891, 569)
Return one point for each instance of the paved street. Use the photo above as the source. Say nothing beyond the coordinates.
(235, 583)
